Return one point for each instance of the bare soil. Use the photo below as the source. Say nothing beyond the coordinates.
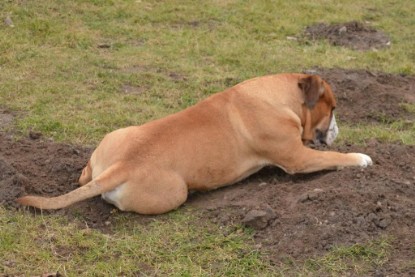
(354, 35)
(298, 216)
(371, 97)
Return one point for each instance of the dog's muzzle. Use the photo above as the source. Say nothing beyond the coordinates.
(329, 135)
(332, 132)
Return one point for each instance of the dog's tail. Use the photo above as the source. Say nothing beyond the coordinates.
(106, 181)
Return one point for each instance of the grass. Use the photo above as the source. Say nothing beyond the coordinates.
(166, 247)
(65, 63)
(357, 258)
(64, 70)
(351, 260)
(400, 130)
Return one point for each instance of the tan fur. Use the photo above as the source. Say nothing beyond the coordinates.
(149, 169)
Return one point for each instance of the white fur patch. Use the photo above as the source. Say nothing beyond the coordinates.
(113, 197)
(333, 131)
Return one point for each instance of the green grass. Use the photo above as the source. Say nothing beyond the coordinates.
(344, 260)
(389, 129)
(64, 67)
(170, 246)
(398, 131)
(55, 71)
(357, 258)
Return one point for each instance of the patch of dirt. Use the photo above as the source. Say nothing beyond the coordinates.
(128, 89)
(6, 118)
(365, 96)
(33, 166)
(355, 35)
(308, 214)
(209, 24)
(298, 216)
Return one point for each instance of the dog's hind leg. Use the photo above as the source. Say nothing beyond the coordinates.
(152, 192)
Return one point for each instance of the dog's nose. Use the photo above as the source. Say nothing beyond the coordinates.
(320, 137)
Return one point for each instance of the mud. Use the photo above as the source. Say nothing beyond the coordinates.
(294, 217)
(354, 35)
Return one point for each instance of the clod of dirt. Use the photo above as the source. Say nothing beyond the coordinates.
(259, 219)
(383, 223)
(256, 219)
(311, 195)
(35, 135)
(355, 35)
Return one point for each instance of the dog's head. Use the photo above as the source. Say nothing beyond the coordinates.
(318, 121)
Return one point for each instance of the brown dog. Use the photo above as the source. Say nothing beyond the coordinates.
(149, 169)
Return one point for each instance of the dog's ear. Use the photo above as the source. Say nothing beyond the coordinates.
(313, 88)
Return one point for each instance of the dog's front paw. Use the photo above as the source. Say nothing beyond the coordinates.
(363, 160)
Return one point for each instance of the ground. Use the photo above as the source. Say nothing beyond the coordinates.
(355, 35)
(293, 217)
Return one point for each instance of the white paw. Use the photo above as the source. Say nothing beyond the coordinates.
(363, 160)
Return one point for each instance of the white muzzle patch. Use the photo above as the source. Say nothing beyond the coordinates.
(332, 132)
